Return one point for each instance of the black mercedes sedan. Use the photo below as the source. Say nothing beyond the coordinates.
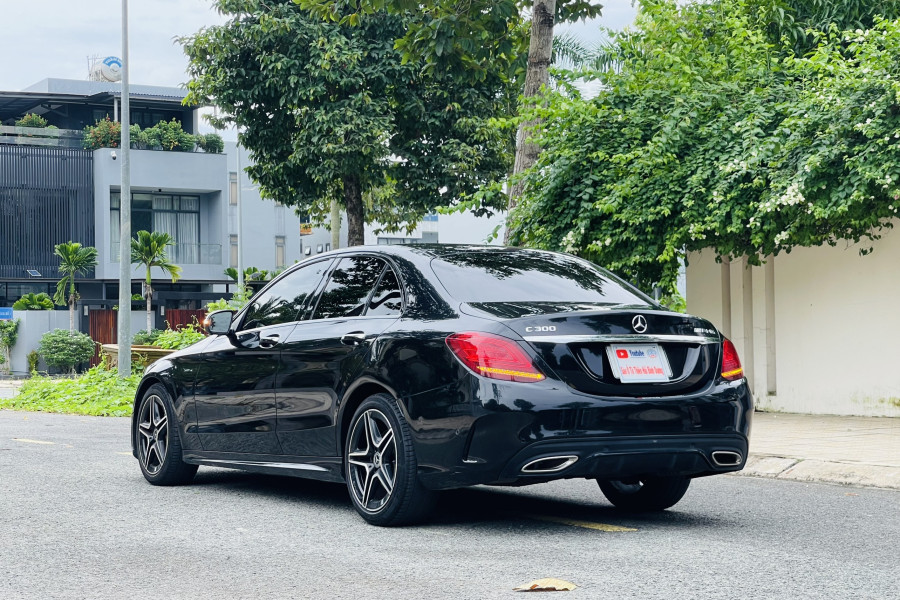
(405, 370)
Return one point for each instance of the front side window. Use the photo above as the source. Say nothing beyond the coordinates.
(283, 301)
(349, 287)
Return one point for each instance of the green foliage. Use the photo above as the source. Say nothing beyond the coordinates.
(237, 301)
(98, 392)
(9, 332)
(464, 39)
(103, 134)
(211, 142)
(32, 120)
(31, 301)
(168, 135)
(332, 111)
(800, 23)
(710, 135)
(146, 338)
(165, 135)
(33, 358)
(253, 274)
(65, 350)
(176, 339)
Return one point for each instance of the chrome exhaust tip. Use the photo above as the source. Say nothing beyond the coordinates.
(726, 458)
(550, 464)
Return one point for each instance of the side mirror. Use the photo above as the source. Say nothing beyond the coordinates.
(218, 322)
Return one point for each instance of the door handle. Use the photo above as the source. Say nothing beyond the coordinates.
(354, 338)
(269, 341)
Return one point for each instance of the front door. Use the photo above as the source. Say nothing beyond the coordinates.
(235, 389)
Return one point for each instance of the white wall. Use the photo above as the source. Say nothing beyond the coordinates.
(818, 327)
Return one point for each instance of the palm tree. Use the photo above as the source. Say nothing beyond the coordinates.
(74, 259)
(149, 249)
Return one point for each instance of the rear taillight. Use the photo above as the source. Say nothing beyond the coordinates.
(493, 356)
(731, 364)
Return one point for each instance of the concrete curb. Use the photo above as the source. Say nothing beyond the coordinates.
(820, 471)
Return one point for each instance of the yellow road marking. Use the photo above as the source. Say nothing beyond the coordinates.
(26, 441)
(124, 453)
(584, 524)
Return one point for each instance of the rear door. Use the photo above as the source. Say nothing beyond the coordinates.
(361, 299)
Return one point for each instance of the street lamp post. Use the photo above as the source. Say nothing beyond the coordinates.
(124, 335)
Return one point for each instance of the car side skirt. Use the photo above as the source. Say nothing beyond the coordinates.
(309, 467)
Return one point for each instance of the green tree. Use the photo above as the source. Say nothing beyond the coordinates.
(712, 135)
(331, 111)
(467, 38)
(74, 259)
(149, 250)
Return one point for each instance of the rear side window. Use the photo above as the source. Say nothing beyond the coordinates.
(283, 301)
(527, 276)
(387, 299)
(349, 287)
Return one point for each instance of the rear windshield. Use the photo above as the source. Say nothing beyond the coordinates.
(524, 276)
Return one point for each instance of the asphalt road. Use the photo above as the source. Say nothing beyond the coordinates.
(77, 520)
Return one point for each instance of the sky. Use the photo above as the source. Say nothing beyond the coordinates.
(54, 38)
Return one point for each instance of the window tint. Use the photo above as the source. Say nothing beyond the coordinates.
(282, 302)
(387, 299)
(349, 287)
(527, 276)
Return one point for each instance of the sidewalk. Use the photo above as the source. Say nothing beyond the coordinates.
(862, 451)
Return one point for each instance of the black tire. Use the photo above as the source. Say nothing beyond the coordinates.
(380, 466)
(647, 494)
(158, 441)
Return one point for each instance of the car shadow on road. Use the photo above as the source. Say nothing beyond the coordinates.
(483, 506)
(494, 504)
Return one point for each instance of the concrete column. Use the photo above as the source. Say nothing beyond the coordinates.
(741, 287)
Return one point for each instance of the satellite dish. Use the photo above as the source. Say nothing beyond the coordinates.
(108, 69)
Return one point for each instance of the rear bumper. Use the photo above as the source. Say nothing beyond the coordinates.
(597, 438)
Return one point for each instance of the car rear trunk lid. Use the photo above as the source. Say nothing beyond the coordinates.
(580, 347)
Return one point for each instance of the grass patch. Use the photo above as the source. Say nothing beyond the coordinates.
(98, 392)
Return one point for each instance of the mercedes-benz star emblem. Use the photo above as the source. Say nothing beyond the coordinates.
(639, 323)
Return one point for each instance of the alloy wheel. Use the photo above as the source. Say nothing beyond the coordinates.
(153, 427)
(372, 460)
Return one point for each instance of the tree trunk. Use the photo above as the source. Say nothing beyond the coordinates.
(354, 205)
(540, 51)
(72, 313)
(149, 311)
(335, 225)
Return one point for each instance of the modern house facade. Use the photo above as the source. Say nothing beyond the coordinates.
(52, 191)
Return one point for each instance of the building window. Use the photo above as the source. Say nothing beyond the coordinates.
(175, 214)
(234, 251)
(233, 190)
(279, 251)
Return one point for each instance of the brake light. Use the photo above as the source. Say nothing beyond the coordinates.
(493, 356)
(731, 364)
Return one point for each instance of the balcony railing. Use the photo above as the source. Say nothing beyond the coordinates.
(39, 136)
(185, 254)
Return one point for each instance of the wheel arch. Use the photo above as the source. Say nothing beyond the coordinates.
(145, 384)
(355, 396)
